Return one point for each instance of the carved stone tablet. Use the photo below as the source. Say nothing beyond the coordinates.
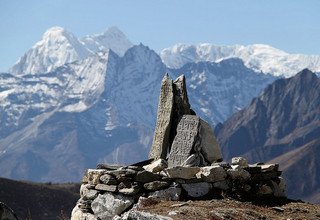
(161, 136)
(185, 140)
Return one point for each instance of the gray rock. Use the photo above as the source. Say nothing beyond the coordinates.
(122, 171)
(108, 179)
(87, 194)
(209, 146)
(6, 213)
(238, 173)
(161, 137)
(265, 190)
(224, 185)
(212, 174)
(279, 188)
(172, 193)
(196, 190)
(194, 135)
(78, 214)
(139, 215)
(156, 166)
(108, 166)
(108, 205)
(145, 177)
(108, 188)
(185, 140)
(242, 162)
(156, 185)
(182, 172)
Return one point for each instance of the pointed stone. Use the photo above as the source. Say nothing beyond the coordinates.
(161, 137)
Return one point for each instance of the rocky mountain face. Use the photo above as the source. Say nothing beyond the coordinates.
(259, 57)
(282, 125)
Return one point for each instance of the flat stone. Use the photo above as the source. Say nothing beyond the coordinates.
(156, 185)
(182, 172)
(161, 136)
(146, 176)
(269, 167)
(242, 162)
(238, 173)
(172, 194)
(108, 179)
(108, 188)
(93, 175)
(108, 166)
(185, 140)
(269, 175)
(108, 205)
(156, 166)
(131, 189)
(212, 174)
(197, 190)
(122, 171)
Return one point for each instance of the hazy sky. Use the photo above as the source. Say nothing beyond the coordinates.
(290, 25)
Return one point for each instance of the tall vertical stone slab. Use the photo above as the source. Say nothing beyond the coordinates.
(160, 143)
(185, 140)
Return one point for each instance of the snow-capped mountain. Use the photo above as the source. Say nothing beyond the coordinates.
(59, 46)
(259, 57)
(112, 39)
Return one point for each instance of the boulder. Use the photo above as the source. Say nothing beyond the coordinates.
(129, 189)
(212, 174)
(156, 166)
(197, 190)
(161, 136)
(108, 205)
(223, 185)
(87, 194)
(179, 172)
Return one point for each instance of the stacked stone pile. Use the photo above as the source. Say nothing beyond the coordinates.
(110, 191)
(185, 162)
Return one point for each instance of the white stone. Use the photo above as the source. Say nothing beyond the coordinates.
(182, 172)
(156, 166)
(93, 175)
(77, 214)
(212, 174)
(172, 194)
(196, 190)
(242, 162)
(108, 205)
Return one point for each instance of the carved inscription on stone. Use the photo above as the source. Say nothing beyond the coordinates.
(185, 140)
(160, 142)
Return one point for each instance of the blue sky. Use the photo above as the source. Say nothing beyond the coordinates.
(290, 25)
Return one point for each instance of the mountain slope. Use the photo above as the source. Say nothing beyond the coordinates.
(285, 117)
(259, 57)
(39, 201)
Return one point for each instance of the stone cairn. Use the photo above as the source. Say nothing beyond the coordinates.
(185, 162)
